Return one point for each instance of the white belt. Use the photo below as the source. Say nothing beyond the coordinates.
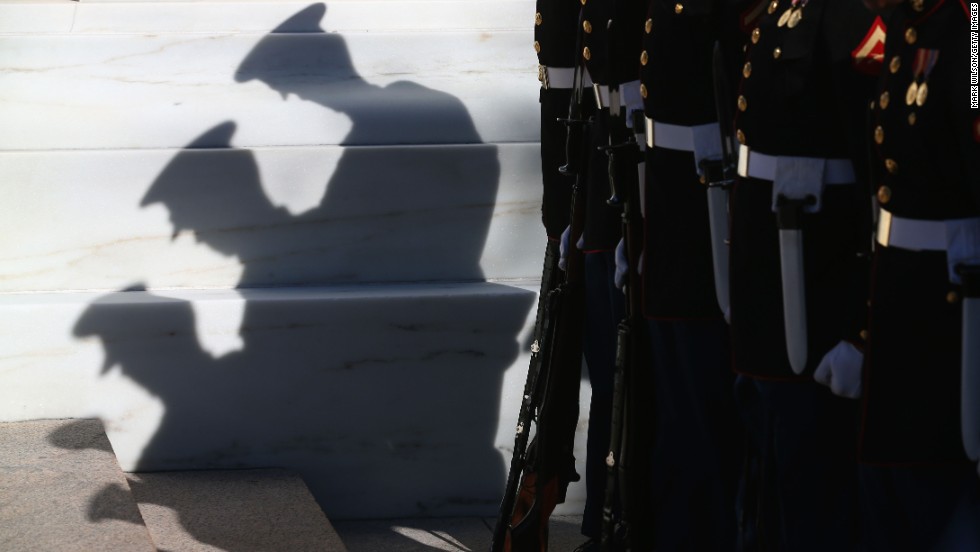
(759, 165)
(560, 77)
(915, 234)
(675, 137)
(602, 93)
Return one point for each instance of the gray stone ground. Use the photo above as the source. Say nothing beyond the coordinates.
(450, 534)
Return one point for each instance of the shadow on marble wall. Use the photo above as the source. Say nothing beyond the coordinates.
(368, 398)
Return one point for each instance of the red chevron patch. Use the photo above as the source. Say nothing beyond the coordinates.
(869, 55)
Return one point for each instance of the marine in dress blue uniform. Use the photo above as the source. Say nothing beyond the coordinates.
(920, 491)
(696, 456)
(799, 116)
(604, 302)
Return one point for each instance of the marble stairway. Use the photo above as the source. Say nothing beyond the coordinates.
(246, 233)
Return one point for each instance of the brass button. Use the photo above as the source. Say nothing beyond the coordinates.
(583, 2)
(911, 36)
(773, 5)
(643, 90)
(537, 46)
(879, 135)
(743, 104)
(586, 53)
(864, 335)
(912, 119)
(894, 64)
(678, 8)
(884, 99)
(648, 26)
(740, 136)
(884, 195)
(747, 69)
(952, 297)
(891, 166)
(756, 33)
(537, 18)
(644, 58)
(587, 26)
(777, 52)
(918, 5)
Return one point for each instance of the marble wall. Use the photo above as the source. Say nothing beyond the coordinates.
(276, 234)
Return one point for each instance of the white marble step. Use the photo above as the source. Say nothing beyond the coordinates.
(389, 401)
(268, 216)
(244, 16)
(232, 510)
(61, 489)
(154, 90)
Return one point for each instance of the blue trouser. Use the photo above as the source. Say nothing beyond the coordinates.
(934, 508)
(604, 309)
(696, 455)
(803, 491)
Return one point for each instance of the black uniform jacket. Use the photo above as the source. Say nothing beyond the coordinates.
(556, 27)
(678, 89)
(802, 94)
(610, 56)
(926, 166)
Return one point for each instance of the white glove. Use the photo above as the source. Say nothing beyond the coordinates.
(840, 369)
(622, 265)
(563, 246)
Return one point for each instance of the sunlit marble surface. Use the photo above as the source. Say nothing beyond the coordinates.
(314, 248)
(389, 400)
(269, 216)
(120, 90)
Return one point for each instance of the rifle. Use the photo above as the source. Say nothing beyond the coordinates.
(630, 440)
(540, 472)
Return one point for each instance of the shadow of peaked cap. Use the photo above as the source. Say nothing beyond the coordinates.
(282, 53)
(187, 170)
(132, 320)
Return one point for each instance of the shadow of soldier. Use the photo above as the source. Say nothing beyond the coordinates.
(385, 399)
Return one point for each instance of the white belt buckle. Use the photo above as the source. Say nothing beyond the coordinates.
(743, 161)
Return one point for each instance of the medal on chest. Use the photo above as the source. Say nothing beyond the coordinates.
(793, 15)
(918, 90)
